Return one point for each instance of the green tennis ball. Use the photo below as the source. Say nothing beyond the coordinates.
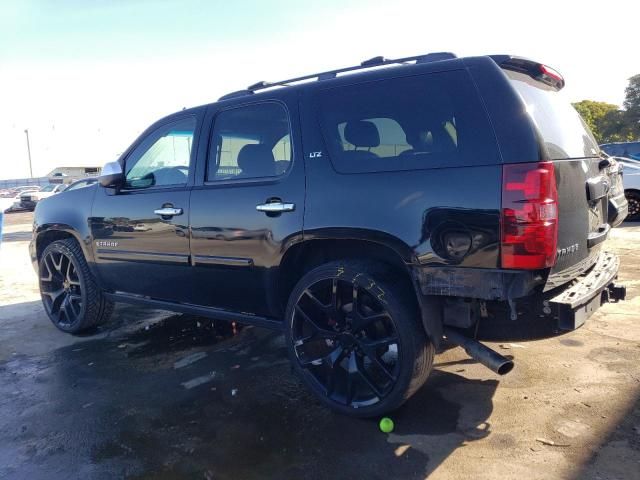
(386, 425)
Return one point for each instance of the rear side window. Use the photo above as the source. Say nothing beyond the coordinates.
(562, 129)
(407, 123)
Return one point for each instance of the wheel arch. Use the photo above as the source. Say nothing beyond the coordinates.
(48, 234)
(303, 256)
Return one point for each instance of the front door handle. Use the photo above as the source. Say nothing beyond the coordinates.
(168, 211)
(276, 207)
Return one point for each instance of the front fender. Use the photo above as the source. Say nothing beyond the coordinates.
(64, 215)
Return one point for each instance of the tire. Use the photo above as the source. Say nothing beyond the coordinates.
(360, 362)
(633, 197)
(70, 294)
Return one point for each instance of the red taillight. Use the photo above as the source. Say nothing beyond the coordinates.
(529, 220)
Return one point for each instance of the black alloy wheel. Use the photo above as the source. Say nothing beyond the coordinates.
(61, 289)
(348, 337)
(70, 296)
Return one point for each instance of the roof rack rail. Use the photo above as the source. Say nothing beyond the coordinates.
(237, 93)
(372, 62)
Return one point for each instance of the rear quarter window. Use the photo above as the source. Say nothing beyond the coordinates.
(561, 128)
(419, 122)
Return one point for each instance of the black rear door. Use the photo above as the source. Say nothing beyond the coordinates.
(248, 205)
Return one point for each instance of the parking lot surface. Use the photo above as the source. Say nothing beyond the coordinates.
(159, 395)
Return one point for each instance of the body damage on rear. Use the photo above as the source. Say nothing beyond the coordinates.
(539, 131)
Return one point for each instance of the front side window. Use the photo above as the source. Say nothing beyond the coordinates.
(250, 142)
(163, 158)
(417, 122)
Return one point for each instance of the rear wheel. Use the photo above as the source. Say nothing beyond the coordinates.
(355, 337)
(633, 198)
(70, 295)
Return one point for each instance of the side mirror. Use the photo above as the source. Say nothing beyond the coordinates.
(112, 175)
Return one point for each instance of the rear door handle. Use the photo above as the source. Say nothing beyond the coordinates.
(276, 207)
(168, 211)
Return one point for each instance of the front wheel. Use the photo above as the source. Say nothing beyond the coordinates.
(70, 295)
(355, 336)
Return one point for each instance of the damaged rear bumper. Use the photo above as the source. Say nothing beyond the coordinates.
(575, 304)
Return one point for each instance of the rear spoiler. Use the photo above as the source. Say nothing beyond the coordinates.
(535, 70)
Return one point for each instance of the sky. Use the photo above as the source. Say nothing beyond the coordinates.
(86, 78)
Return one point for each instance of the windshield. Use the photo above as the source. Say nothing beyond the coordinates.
(561, 127)
(48, 188)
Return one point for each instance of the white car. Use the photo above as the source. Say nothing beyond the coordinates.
(9, 204)
(13, 191)
(29, 200)
(631, 181)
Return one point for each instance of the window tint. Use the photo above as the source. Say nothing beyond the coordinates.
(282, 154)
(250, 142)
(163, 158)
(562, 129)
(392, 142)
(406, 123)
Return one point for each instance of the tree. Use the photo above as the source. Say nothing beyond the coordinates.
(598, 116)
(615, 127)
(607, 122)
(632, 106)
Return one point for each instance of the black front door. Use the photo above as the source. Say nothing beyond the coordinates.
(248, 206)
(141, 232)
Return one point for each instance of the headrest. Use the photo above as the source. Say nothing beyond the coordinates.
(362, 133)
(256, 161)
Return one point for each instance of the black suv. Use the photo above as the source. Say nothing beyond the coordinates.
(368, 213)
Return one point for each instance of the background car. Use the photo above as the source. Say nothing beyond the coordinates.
(29, 200)
(622, 149)
(631, 181)
(11, 202)
(13, 191)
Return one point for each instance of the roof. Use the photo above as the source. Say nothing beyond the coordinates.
(375, 65)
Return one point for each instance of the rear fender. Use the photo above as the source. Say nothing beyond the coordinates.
(430, 307)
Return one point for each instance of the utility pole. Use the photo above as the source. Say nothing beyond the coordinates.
(26, 132)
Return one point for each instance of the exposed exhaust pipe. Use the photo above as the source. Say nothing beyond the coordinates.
(483, 354)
